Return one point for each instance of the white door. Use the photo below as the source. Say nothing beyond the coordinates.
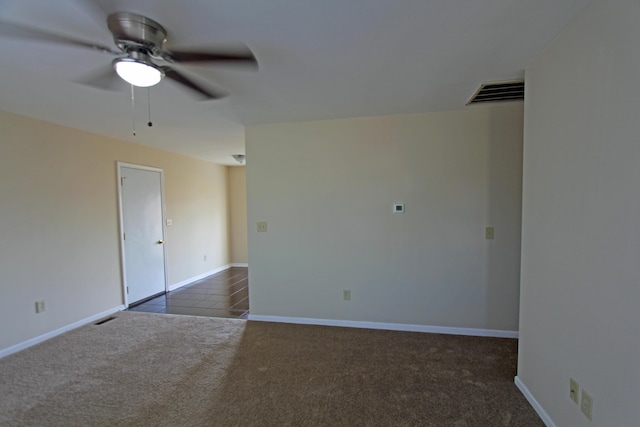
(143, 237)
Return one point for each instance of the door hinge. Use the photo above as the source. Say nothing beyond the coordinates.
(124, 236)
(122, 178)
(127, 289)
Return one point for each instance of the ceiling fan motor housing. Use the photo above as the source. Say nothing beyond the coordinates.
(134, 33)
(141, 58)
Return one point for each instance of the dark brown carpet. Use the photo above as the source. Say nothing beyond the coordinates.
(151, 369)
(313, 375)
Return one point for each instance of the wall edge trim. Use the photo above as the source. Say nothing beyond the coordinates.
(44, 337)
(387, 326)
(198, 277)
(533, 402)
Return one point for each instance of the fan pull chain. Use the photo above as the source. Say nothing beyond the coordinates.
(133, 112)
(149, 105)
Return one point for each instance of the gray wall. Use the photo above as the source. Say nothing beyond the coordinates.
(326, 190)
(580, 306)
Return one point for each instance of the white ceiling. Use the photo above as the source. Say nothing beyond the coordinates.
(318, 59)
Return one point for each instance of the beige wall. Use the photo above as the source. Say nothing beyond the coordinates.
(580, 306)
(59, 230)
(237, 191)
(326, 190)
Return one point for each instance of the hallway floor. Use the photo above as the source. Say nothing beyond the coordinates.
(224, 294)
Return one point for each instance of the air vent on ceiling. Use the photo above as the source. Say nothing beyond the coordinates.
(498, 91)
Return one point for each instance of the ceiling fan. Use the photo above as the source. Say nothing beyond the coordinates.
(142, 59)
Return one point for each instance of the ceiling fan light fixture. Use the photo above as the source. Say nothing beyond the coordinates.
(138, 73)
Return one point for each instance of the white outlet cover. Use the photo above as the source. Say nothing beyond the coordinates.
(586, 404)
(39, 306)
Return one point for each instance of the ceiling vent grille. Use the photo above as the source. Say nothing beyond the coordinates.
(498, 92)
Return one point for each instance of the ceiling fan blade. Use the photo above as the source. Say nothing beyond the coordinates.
(183, 80)
(97, 10)
(10, 29)
(239, 56)
(104, 78)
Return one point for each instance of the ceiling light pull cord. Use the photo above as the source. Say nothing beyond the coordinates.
(149, 105)
(133, 112)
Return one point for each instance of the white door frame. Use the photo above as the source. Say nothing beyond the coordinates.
(123, 269)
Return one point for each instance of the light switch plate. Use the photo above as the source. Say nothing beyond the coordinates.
(169, 222)
(488, 233)
(574, 390)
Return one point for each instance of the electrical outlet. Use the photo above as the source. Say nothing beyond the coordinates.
(39, 306)
(586, 404)
(488, 233)
(574, 390)
(346, 295)
(262, 226)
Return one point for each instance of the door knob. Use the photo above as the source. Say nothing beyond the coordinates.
(160, 242)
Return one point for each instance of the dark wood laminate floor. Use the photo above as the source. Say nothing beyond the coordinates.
(224, 294)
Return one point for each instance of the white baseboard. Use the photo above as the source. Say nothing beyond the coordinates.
(387, 326)
(536, 405)
(239, 264)
(198, 277)
(37, 340)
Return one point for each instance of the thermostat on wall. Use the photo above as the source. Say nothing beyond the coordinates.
(398, 208)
